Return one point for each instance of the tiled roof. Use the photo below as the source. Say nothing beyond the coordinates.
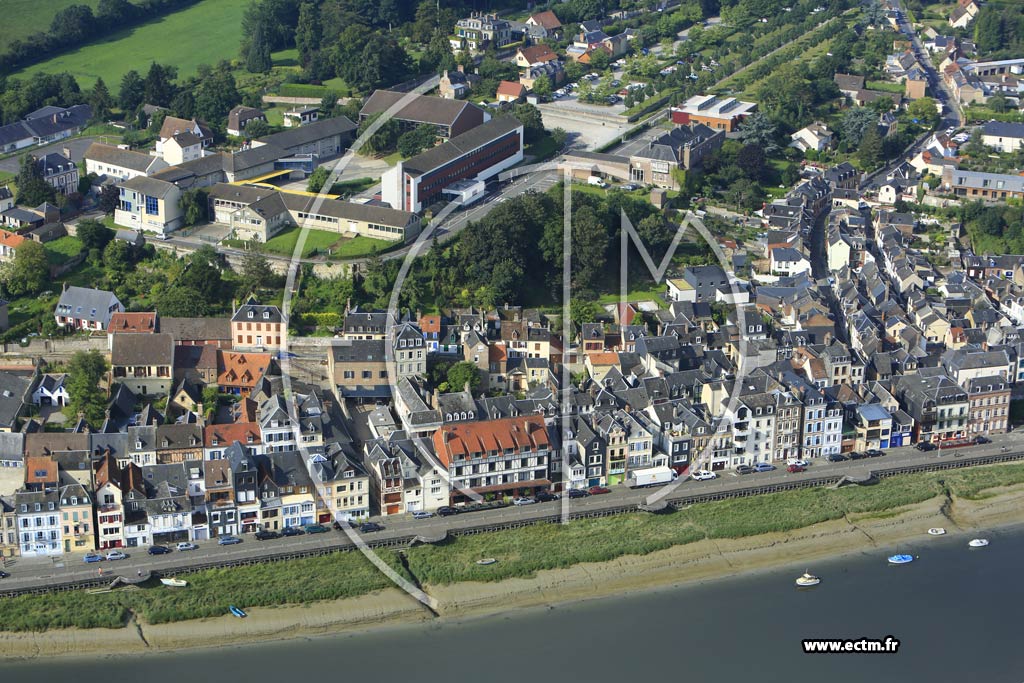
(464, 440)
(126, 323)
(241, 369)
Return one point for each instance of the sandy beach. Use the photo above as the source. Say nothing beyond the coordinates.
(704, 560)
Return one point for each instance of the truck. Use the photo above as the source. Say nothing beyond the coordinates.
(594, 180)
(651, 476)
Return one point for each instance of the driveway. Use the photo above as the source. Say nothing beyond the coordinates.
(76, 146)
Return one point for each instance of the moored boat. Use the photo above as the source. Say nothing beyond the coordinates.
(237, 611)
(807, 580)
(936, 531)
(486, 561)
(176, 583)
(901, 559)
(978, 542)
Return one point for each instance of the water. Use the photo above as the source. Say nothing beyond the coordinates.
(955, 610)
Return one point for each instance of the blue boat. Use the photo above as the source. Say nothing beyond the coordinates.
(901, 559)
(237, 612)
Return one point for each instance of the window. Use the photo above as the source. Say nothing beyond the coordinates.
(152, 206)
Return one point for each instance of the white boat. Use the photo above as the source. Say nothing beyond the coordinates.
(978, 542)
(936, 531)
(176, 583)
(486, 561)
(901, 559)
(808, 579)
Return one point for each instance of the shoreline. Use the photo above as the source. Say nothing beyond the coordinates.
(391, 608)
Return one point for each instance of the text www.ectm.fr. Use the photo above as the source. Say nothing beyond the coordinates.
(888, 644)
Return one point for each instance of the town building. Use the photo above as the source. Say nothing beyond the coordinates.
(717, 113)
(81, 308)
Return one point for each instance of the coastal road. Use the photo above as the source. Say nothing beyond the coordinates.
(39, 573)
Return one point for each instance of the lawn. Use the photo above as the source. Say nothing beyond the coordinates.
(360, 246)
(24, 17)
(60, 251)
(521, 552)
(316, 240)
(202, 34)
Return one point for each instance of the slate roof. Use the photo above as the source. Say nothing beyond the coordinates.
(142, 349)
(422, 109)
(459, 145)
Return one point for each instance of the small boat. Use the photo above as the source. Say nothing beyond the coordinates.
(901, 559)
(808, 579)
(978, 542)
(936, 531)
(237, 612)
(486, 561)
(176, 583)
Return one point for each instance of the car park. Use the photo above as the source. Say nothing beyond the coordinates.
(186, 545)
(523, 501)
(158, 550)
(266, 535)
(228, 540)
(704, 475)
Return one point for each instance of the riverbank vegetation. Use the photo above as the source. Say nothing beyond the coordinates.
(521, 552)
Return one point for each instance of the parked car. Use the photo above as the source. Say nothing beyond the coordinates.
(545, 496)
(873, 453)
(577, 493)
(523, 501)
(422, 514)
(292, 531)
(186, 545)
(266, 535)
(744, 469)
(629, 187)
(836, 457)
(598, 490)
(704, 475)
(338, 526)
(228, 540)
(114, 555)
(797, 461)
(796, 468)
(316, 529)
(926, 446)
(158, 550)
(4, 575)
(446, 511)
(370, 527)
(764, 467)
(982, 439)
(92, 557)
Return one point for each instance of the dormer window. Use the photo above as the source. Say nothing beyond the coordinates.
(250, 314)
(266, 315)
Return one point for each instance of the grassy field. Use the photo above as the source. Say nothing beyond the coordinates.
(284, 243)
(60, 251)
(22, 18)
(202, 34)
(521, 552)
(359, 246)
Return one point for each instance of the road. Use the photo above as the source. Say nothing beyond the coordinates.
(32, 572)
(77, 147)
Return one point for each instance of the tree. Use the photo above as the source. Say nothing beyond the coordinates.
(869, 153)
(117, 257)
(93, 234)
(28, 273)
(998, 103)
(383, 141)
(599, 59)
(110, 199)
(975, 147)
(72, 25)
(582, 311)
(530, 117)
(855, 123)
(159, 87)
(132, 92)
(256, 271)
(85, 370)
(925, 112)
(745, 195)
(542, 87)
(317, 179)
(411, 143)
(33, 189)
(256, 128)
(751, 160)
(216, 93)
(328, 103)
(100, 101)
(308, 32)
(758, 129)
(194, 206)
(462, 373)
(257, 55)
(590, 247)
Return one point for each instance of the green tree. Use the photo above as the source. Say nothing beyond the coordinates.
(758, 129)
(94, 234)
(256, 271)
(975, 147)
(855, 123)
(751, 160)
(317, 179)
(85, 397)
(117, 257)
(590, 247)
(869, 153)
(132, 92)
(28, 273)
(412, 142)
(159, 87)
(924, 111)
(582, 311)
(33, 190)
(256, 128)
(599, 60)
(328, 103)
(542, 87)
(462, 373)
(194, 205)
(530, 117)
(215, 93)
(110, 198)
(100, 101)
(384, 140)
(308, 32)
(257, 54)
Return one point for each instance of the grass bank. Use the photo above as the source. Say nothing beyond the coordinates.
(202, 34)
(522, 552)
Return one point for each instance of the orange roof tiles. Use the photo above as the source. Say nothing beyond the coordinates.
(479, 439)
(430, 323)
(510, 89)
(10, 239)
(139, 323)
(241, 369)
(603, 358)
(226, 434)
(40, 470)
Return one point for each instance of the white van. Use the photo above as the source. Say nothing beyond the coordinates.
(594, 180)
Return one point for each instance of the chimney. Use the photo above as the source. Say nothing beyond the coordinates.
(66, 151)
(462, 70)
(465, 387)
